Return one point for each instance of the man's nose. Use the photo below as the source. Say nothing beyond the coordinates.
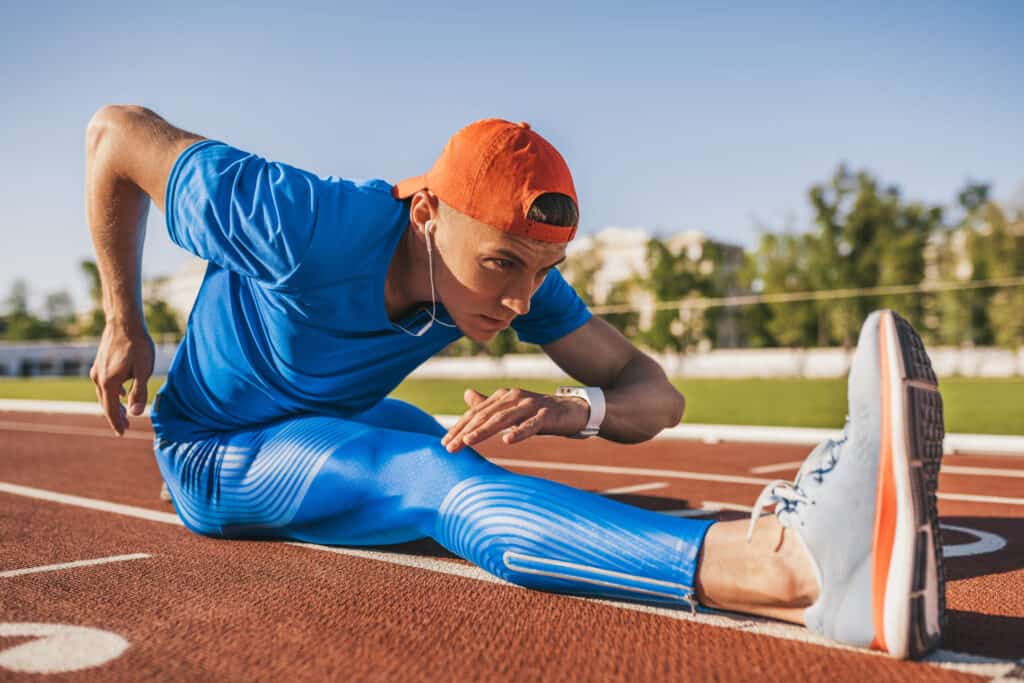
(517, 297)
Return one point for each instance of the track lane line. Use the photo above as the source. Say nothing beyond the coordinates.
(968, 663)
(634, 471)
(90, 503)
(981, 471)
(972, 498)
(780, 467)
(959, 470)
(70, 431)
(707, 476)
(635, 488)
(72, 565)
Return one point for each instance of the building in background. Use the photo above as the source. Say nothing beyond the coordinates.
(178, 290)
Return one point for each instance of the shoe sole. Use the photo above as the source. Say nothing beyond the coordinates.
(908, 580)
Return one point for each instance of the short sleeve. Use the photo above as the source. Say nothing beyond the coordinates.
(240, 211)
(555, 311)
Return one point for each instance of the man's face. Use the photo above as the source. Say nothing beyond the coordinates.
(485, 276)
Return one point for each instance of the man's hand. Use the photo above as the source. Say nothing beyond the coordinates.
(125, 352)
(518, 413)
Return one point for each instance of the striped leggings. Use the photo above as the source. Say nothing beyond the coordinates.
(383, 477)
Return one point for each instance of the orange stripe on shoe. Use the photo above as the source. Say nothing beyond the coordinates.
(885, 511)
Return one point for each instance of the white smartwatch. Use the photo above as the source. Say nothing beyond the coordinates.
(595, 399)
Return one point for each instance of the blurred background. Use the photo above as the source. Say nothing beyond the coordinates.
(753, 181)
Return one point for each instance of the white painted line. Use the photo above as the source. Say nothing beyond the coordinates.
(641, 471)
(972, 498)
(946, 469)
(454, 568)
(706, 476)
(708, 507)
(780, 467)
(982, 471)
(90, 503)
(986, 543)
(60, 407)
(73, 565)
(996, 444)
(727, 506)
(993, 444)
(977, 665)
(711, 433)
(636, 488)
(68, 430)
(58, 648)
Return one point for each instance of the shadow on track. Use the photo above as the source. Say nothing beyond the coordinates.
(991, 635)
(1007, 559)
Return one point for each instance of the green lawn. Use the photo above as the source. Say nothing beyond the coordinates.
(983, 406)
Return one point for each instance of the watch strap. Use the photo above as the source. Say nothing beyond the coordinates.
(594, 397)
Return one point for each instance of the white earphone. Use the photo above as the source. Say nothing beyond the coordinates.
(428, 228)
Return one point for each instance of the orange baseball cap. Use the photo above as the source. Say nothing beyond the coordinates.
(493, 170)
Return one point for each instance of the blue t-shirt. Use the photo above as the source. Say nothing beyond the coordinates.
(290, 318)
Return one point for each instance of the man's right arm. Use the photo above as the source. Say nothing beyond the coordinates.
(130, 152)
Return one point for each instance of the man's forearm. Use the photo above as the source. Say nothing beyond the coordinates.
(116, 209)
(640, 403)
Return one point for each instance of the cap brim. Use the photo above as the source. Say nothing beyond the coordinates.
(408, 187)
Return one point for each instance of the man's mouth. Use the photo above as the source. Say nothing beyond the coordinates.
(495, 323)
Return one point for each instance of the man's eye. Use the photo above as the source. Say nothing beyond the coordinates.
(503, 263)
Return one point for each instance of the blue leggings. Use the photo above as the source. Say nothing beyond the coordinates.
(383, 477)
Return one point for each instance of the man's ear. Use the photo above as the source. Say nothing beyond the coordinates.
(425, 207)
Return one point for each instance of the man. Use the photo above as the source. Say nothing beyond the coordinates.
(322, 294)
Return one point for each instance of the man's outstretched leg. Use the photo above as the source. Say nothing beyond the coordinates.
(864, 507)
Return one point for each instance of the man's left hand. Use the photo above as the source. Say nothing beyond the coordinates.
(518, 413)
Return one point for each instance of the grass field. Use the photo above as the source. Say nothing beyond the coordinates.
(981, 406)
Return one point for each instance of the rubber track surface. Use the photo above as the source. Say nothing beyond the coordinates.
(209, 609)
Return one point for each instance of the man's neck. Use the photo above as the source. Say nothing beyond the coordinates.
(407, 286)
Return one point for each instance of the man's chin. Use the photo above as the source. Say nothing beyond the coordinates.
(481, 336)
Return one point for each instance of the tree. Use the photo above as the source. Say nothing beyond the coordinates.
(19, 323)
(1000, 246)
(674, 276)
(864, 236)
(753, 318)
(624, 292)
(95, 320)
(59, 307)
(783, 265)
(17, 300)
(971, 250)
(161, 320)
(581, 272)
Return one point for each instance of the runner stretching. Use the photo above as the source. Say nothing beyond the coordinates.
(322, 294)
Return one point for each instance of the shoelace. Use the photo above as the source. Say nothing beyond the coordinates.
(789, 494)
(778, 492)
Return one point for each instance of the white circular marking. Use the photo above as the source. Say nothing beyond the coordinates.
(58, 648)
(986, 543)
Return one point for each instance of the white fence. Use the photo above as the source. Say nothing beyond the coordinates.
(75, 359)
(725, 363)
(64, 358)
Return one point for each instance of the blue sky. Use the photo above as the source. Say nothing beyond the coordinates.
(672, 115)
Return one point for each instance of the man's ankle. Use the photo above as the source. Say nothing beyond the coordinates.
(803, 576)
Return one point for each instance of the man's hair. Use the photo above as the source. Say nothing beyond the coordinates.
(554, 208)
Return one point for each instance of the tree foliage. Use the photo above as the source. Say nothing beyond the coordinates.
(864, 235)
